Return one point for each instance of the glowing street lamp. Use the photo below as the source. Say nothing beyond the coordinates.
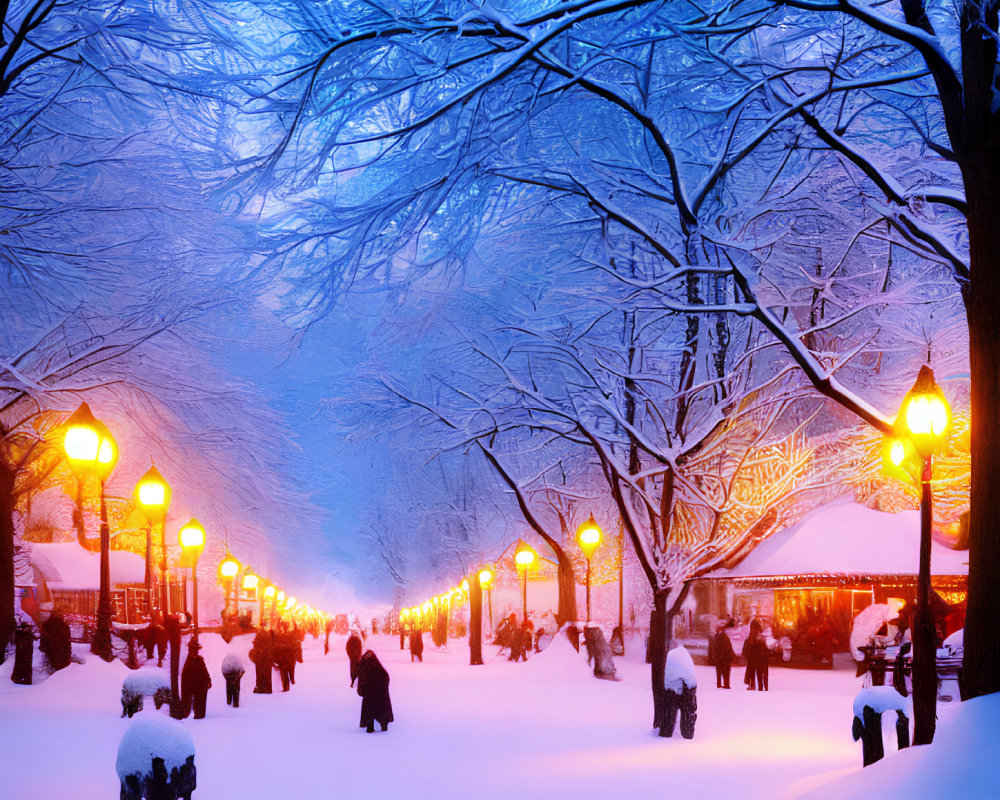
(192, 539)
(486, 582)
(91, 449)
(270, 593)
(153, 495)
(250, 584)
(922, 428)
(588, 536)
(229, 568)
(524, 557)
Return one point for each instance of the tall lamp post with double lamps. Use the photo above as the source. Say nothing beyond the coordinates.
(524, 557)
(152, 493)
(588, 536)
(192, 539)
(91, 449)
(921, 430)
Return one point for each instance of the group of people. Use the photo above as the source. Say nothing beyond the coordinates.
(755, 654)
(519, 638)
(279, 649)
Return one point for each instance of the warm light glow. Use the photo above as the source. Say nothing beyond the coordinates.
(229, 567)
(465, 585)
(81, 443)
(152, 493)
(106, 452)
(404, 613)
(250, 581)
(269, 592)
(525, 557)
(897, 452)
(485, 576)
(588, 536)
(290, 603)
(926, 415)
(281, 596)
(426, 607)
(192, 535)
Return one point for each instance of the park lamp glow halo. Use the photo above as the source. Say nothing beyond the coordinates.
(153, 492)
(588, 536)
(192, 535)
(524, 557)
(250, 580)
(270, 591)
(485, 576)
(925, 415)
(229, 567)
(88, 442)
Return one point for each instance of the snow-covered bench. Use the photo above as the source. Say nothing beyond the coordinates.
(868, 708)
(145, 682)
(156, 761)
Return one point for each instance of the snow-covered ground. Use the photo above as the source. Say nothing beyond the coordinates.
(542, 729)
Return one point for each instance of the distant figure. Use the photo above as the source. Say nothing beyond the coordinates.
(416, 643)
(232, 671)
(195, 681)
(354, 646)
(262, 655)
(326, 641)
(721, 653)
(285, 642)
(756, 653)
(298, 635)
(373, 687)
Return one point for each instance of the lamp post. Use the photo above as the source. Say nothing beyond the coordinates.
(486, 582)
(588, 536)
(922, 425)
(524, 557)
(250, 583)
(153, 495)
(229, 568)
(270, 592)
(90, 447)
(192, 539)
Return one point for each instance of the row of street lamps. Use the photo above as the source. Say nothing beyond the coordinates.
(92, 451)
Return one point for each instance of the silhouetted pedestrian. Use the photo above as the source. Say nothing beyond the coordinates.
(195, 681)
(354, 647)
(416, 643)
(373, 687)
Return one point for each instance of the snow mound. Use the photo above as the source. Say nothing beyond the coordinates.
(233, 662)
(151, 737)
(956, 642)
(961, 762)
(558, 660)
(146, 680)
(880, 699)
(679, 674)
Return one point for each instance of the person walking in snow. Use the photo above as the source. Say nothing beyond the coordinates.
(756, 653)
(373, 688)
(195, 681)
(354, 646)
(416, 643)
(262, 655)
(721, 654)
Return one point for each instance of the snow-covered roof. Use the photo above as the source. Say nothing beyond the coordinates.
(846, 538)
(69, 566)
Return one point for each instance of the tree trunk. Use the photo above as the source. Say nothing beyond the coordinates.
(475, 620)
(566, 611)
(658, 655)
(6, 557)
(980, 159)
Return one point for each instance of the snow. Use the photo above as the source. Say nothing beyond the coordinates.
(955, 644)
(149, 737)
(847, 538)
(233, 662)
(962, 762)
(547, 727)
(866, 624)
(881, 699)
(146, 680)
(69, 566)
(680, 673)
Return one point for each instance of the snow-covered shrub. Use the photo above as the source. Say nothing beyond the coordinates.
(681, 686)
(232, 663)
(55, 642)
(146, 682)
(156, 760)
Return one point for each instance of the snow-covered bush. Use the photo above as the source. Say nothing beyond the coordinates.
(233, 662)
(147, 682)
(156, 759)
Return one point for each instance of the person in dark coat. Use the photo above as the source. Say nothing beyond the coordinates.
(354, 647)
(262, 655)
(756, 653)
(284, 656)
(232, 671)
(195, 681)
(722, 655)
(158, 636)
(297, 636)
(373, 687)
(416, 643)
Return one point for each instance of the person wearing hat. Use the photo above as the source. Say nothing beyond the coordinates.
(195, 681)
